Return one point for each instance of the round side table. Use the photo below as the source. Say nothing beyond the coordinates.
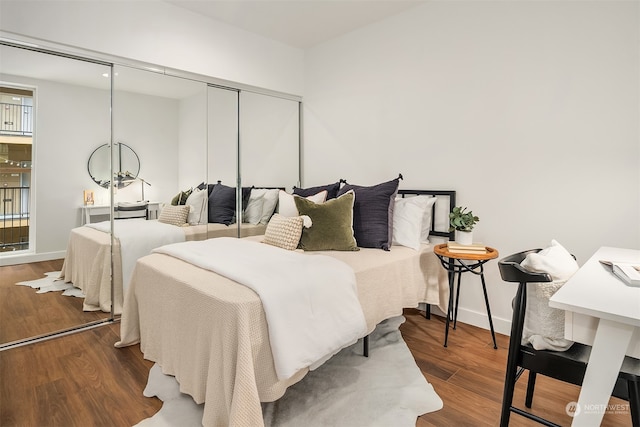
(456, 264)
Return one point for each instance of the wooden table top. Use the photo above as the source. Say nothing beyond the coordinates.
(442, 250)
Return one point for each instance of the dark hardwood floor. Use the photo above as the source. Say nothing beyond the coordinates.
(83, 380)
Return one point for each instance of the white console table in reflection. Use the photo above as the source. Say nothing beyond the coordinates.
(91, 213)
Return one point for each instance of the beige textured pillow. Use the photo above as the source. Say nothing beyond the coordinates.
(284, 232)
(174, 215)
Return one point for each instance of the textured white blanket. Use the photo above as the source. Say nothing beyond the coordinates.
(310, 302)
(138, 237)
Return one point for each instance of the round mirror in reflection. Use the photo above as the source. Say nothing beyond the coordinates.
(126, 165)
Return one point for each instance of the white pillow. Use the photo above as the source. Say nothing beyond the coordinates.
(544, 325)
(253, 211)
(270, 201)
(426, 219)
(554, 260)
(197, 202)
(287, 205)
(411, 218)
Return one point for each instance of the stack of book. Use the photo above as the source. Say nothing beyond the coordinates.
(474, 248)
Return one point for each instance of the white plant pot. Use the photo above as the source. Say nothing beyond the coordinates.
(464, 237)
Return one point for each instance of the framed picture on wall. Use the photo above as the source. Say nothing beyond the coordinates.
(88, 197)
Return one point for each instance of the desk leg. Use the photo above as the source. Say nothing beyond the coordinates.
(449, 307)
(607, 353)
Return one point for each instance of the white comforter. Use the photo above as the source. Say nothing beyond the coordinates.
(310, 303)
(138, 237)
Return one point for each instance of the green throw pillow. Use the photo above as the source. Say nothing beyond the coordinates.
(181, 197)
(332, 224)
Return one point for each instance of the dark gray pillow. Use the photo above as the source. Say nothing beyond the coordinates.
(222, 204)
(332, 190)
(373, 213)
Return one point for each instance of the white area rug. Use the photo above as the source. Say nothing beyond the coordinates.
(384, 389)
(52, 283)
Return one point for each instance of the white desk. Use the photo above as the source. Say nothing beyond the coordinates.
(90, 211)
(596, 297)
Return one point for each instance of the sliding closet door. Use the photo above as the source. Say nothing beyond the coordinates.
(60, 112)
(269, 142)
(222, 159)
(163, 119)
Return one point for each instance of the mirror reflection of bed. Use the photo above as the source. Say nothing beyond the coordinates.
(269, 154)
(199, 213)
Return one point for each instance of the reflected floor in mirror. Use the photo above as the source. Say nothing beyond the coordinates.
(25, 313)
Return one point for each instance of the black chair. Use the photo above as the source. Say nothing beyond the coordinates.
(131, 210)
(568, 366)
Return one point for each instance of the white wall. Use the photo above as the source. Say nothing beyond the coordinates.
(530, 110)
(159, 33)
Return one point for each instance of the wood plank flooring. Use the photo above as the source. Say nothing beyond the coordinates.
(83, 380)
(24, 313)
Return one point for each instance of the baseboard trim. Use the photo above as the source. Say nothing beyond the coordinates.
(478, 319)
(8, 258)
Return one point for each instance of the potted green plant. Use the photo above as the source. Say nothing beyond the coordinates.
(462, 222)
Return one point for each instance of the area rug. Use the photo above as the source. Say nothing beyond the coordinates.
(53, 283)
(384, 389)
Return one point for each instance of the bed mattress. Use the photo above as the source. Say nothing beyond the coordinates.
(211, 333)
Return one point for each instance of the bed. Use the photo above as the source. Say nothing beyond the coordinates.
(197, 214)
(87, 263)
(211, 333)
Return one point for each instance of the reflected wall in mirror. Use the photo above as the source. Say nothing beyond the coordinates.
(163, 119)
(269, 152)
(222, 162)
(69, 115)
(126, 164)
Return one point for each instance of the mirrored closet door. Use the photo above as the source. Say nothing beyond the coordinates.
(163, 118)
(55, 112)
(222, 163)
(269, 153)
(92, 143)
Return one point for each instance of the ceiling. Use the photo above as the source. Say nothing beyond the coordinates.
(298, 23)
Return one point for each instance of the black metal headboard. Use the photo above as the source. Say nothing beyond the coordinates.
(444, 196)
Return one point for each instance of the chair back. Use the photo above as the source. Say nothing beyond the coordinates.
(512, 271)
(133, 210)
